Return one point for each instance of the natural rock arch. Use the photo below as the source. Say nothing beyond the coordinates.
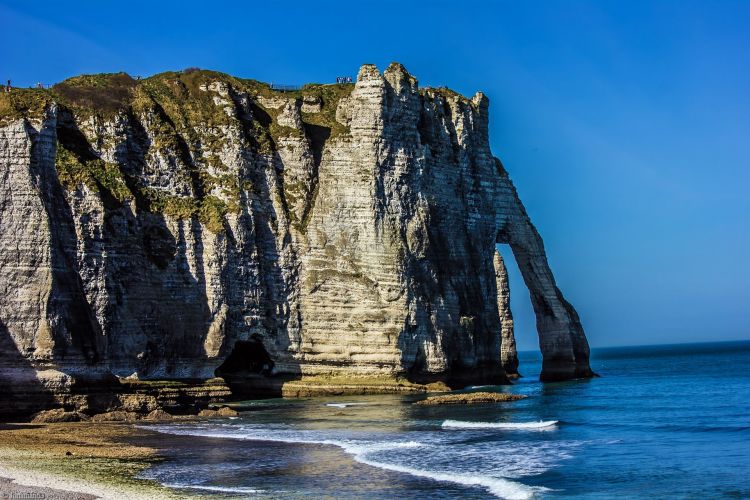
(565, 350)
(358, 243)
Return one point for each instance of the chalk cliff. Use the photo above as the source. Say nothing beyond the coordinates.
(193, 224)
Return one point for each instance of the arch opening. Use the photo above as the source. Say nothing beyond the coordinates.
(519, 338)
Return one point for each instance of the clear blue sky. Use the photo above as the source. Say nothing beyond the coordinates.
(625, 125)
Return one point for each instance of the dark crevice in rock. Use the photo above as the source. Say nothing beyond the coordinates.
(160, 245)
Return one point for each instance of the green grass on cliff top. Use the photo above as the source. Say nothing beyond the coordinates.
(106, 94)
(186, 123)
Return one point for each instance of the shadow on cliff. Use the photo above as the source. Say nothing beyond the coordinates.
(75, 329)
(21, 393)
(444, 297)
(161, 317)
(264, 327)
(451, 293)
(158, 305)
(259, 343)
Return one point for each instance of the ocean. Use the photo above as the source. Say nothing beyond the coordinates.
(668, 421)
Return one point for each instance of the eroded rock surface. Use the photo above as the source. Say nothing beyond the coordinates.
(470, 398)
(193, 224)
(508, 353)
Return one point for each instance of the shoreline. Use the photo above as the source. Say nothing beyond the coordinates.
(78, 461)
(88, 458)
(94, 459)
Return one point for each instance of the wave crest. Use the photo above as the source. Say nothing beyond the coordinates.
(460, 424)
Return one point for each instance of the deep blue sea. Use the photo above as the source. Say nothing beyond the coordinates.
(661, 422)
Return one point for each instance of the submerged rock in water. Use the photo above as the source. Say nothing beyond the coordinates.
(437, 387)
(470, 398)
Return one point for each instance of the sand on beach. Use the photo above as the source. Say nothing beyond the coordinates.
(29, 485)
(78, 461)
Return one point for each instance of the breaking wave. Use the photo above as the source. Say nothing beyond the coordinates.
(499, 487)
(460, 424)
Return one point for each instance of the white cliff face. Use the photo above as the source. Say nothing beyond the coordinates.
(341, 230)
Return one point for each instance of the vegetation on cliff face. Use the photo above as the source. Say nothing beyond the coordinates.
(330, 96)
(96, 174)
(23, 103)
(102, 94)
(191, 116)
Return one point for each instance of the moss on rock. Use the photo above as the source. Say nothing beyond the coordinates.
(470, 398)
(104, 94)
(23, 103)
(188, 116)
(96, 174)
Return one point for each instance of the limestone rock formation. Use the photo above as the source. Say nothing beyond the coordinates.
(508, 354)
(192, 224)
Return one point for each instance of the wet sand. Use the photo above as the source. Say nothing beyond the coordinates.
(77, 461)
(10, 488)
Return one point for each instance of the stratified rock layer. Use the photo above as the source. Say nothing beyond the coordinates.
(193, 224)
(508, 353)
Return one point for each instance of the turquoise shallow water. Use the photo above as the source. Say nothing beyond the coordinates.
(661, 422)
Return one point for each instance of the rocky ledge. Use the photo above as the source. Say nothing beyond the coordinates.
(60, 415)
(470, 398)
(194, 225)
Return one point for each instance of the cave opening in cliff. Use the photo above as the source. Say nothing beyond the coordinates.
(247, 357)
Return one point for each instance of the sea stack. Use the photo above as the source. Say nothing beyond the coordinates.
(194, 224)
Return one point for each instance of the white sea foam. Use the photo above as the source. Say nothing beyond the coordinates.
(217, 489)
(344, 405)
(460, 424)
(499, 487)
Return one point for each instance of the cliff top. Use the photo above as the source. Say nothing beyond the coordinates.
(107, 94)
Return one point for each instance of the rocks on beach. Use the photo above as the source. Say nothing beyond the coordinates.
(158, 415)
(116, 416)
(58, 415)
(224, 411)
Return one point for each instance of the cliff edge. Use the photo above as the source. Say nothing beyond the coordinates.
(194, 224)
